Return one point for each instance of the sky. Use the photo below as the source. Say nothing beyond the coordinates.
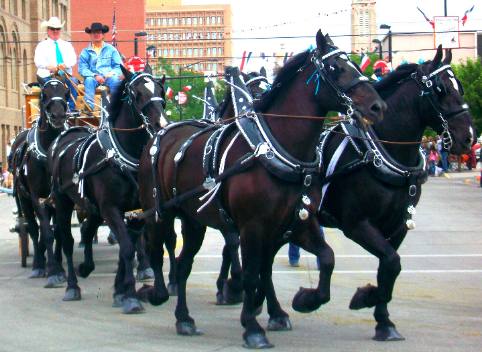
(274, 18)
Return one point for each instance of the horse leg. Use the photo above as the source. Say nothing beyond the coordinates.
(55, 274)
(252, 253)
(88, 229)
(144, 269)
(38, 265)
(223, 276)
(158, 294)
(130, 302)
(58, 240)
(389, 267)
(233, 287)
(193, 237)
(307, 299)
(64, 209)
(170, 240)
(279, 320)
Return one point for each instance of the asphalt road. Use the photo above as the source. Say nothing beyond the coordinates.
(437, 301)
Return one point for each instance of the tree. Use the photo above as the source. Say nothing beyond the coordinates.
(178, 80)
(470, 75)
(369, 70)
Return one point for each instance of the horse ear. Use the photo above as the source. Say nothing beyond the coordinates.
(127, 74)
(321, 43)
(448, 57)
(148, 69)
(163, 79)
(262, 71)
(438, 56)
(328, 39)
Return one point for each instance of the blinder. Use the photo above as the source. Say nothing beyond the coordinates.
(340, 90)
(432, 84)
(139, 110)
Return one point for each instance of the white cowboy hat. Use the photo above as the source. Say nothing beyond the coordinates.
(53, 22)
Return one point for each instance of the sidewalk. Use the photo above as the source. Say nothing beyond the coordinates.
(465, 176)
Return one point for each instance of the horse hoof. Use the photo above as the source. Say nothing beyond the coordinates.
(84, 270)
(131, 305)
(186, 328)
(72, 294)
(118, 300)
(146, 274)
(232, 296)
(37, 274)
(220, 301)
(55, 281)
(364, 297)
(307, 300)
(280, 324)
(172, 289)
(388, 333)
(256, 341)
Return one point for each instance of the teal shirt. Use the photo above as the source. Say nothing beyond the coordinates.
(108, 61)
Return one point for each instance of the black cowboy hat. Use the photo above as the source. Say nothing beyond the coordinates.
(97, 26)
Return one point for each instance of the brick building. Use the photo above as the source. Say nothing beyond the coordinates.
(190, 36)
(19, 34)
(130, 19)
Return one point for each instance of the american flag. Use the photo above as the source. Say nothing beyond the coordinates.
(114, 30)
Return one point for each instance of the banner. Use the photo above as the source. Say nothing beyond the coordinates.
(446, 32)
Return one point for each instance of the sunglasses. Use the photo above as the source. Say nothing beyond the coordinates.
(53, 29)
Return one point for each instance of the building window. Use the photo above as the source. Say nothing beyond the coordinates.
(24, 9)
(3, 58)
(45, 9)
(189, 52)
(194, 21)
(2, 3)
(170, 21)
(200, 20)
(196, 52)
(165, 52)
(55, 8)
(219, 19)
(214, 52)
(188, 21)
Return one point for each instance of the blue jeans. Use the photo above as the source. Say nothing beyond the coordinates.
(445, 160)
(294, 251)
(90, 84)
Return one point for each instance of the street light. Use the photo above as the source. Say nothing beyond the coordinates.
(380, 52)
(389, 35)
(137, 35)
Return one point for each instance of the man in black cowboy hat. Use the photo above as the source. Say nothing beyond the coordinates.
(99, 63)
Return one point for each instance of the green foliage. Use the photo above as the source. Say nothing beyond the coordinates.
(369, 70)
(176, 80)
(470, 75)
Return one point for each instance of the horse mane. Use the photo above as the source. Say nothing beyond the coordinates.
(116, 101)
(389, 83)
(285, 73)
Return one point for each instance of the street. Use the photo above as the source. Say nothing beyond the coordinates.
(437, 301)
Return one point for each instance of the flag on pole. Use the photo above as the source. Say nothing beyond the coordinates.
(426, 18)
(114, 30)
(243, 59)
(186, 88)
(464, 19)
(365, 61)
(248, 57)
(169, 93)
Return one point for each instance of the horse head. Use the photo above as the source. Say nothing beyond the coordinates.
(147, 97)
(446, 111)
(53, 101)
(344, 82)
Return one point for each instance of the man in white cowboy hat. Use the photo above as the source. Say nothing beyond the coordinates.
(54, 55)
(99, 63)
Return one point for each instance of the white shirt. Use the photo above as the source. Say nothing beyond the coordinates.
(45, 56)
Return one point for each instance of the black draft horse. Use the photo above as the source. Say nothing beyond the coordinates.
(32, 181)
(98, 172)
(262, 207)
(373, 210)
